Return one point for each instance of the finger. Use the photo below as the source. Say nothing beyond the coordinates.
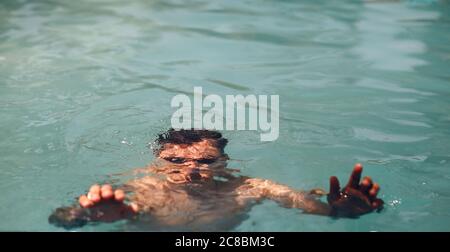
(353, 182)
(374, 191)
(94, 196)
(119, 195)
(134, 207)
(106, 192)
(94, 193)
(95, 189)
(366, 185)
(85, 202)
(378, 204)
(334, 186)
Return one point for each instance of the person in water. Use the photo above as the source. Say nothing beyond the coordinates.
(190, 187)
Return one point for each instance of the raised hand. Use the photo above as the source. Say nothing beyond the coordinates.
(107, 205)
(356, 198)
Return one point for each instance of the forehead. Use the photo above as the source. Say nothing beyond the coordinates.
(202, 149)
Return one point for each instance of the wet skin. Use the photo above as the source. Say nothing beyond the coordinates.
(184, 189)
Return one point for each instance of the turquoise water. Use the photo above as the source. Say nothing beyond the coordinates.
(85, 86)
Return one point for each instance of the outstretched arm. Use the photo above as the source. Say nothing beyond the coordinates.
(286, 196)
(353, 200)
(101, 203)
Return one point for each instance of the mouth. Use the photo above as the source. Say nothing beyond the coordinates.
(194, 175)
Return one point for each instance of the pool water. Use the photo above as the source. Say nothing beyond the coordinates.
(86, 85)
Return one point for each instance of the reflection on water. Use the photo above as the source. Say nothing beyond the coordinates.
(86, 85)
(396, 51)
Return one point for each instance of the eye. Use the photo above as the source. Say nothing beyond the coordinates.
(206, 161)
(176, 160)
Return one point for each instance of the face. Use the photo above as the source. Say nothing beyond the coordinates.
(192, 162)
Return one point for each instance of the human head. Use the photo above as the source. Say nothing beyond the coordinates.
(191, 150)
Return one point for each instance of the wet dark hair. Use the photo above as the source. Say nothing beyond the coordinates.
(189, 136)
